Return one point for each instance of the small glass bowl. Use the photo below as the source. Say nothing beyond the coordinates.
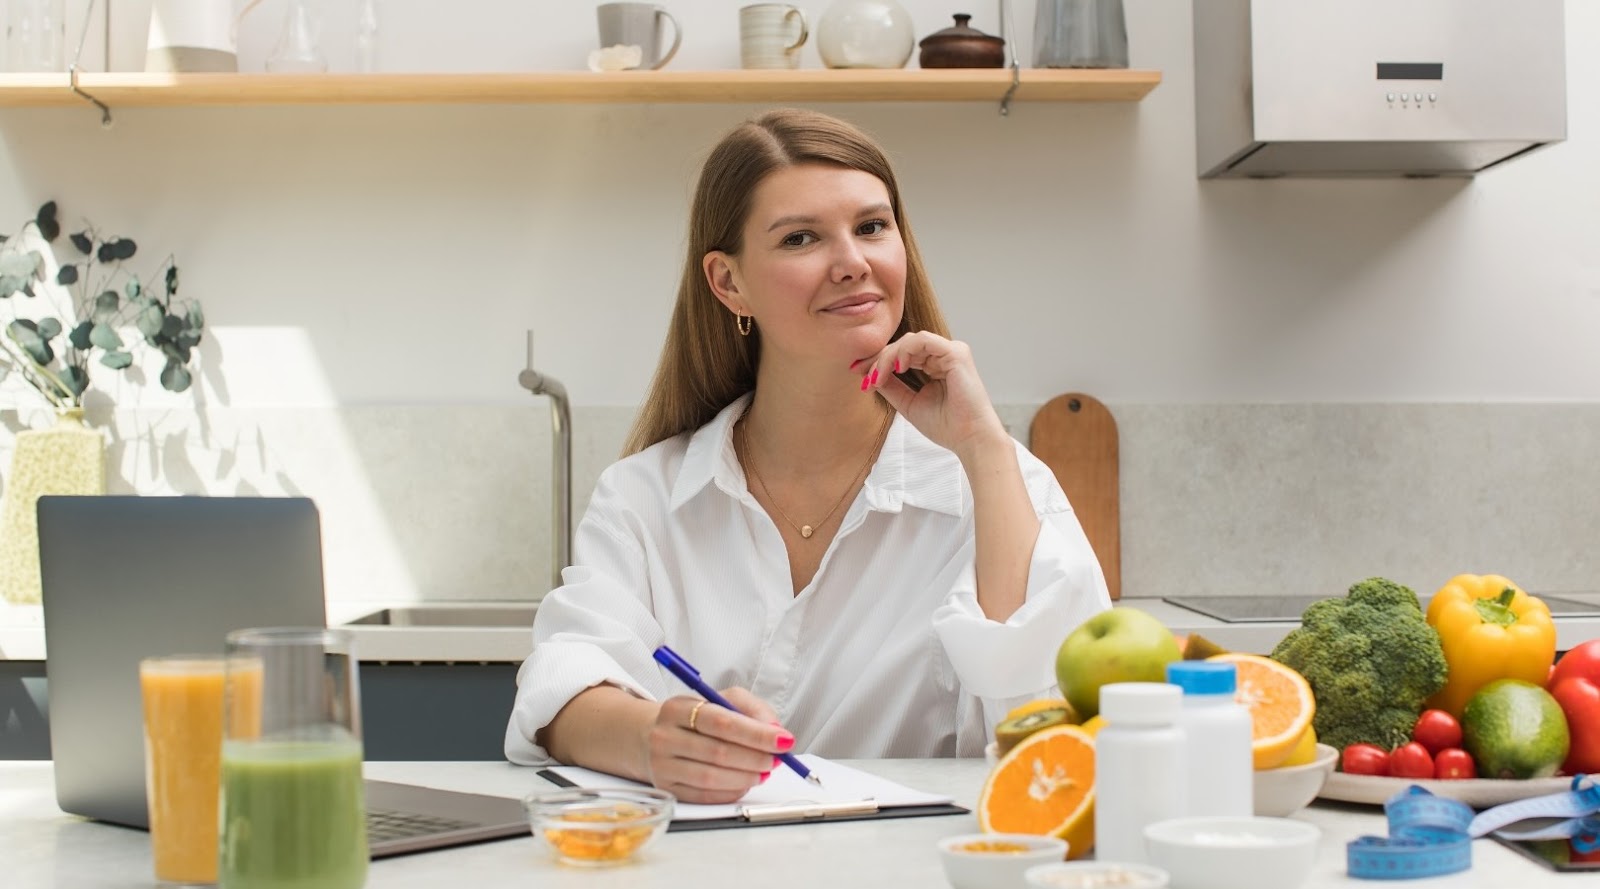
(597, 827)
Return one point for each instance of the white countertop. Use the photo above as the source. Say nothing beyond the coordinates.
(22, 637)
(45, 849)
(22, 633)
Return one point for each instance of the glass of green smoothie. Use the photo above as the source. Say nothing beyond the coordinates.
(292, 810)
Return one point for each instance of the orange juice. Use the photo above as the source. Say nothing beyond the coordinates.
(183, 754)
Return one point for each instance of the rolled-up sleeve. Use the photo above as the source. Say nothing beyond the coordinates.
(1004, 663)
(597, 628)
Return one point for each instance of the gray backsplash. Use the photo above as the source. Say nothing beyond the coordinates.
(451, 502)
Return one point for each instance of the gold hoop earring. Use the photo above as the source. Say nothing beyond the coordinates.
(745, 323)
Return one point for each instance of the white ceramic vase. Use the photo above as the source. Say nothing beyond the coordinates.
(865, 34)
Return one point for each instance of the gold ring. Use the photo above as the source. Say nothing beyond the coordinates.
(694, 714)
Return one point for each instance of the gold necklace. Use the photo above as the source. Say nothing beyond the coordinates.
(742, 444)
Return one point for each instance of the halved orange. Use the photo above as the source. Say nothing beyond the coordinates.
(1280, 703)
(1044, 786)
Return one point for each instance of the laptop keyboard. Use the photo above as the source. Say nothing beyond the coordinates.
(384, 825)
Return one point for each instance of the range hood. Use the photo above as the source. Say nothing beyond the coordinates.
(1370, 88)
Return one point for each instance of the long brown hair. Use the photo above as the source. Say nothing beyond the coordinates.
(705, 364)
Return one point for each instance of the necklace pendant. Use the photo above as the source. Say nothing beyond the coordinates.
(806, 531)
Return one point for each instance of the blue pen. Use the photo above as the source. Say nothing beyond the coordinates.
(681, 668)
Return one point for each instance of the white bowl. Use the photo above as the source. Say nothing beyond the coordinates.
(971, 860)
(991, 753)
(1284, 791)
(1233, 853)
(1085, 874)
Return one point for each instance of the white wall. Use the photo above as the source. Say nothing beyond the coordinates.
(392, 256)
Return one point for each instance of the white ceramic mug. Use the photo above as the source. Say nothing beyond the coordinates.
(638, 24)
(771, 34)
(194, 35)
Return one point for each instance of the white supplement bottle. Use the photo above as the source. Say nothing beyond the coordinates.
(1139, 767)
(1221, 764)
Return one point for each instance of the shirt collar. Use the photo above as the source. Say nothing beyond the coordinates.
(910, 471)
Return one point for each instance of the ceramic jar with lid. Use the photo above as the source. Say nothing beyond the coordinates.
(865, 34)
(962, 46)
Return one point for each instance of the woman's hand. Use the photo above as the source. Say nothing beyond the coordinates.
(953, 409)
(723, 755)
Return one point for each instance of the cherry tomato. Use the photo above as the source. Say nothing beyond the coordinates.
(1453, 763)
(1365, 759)
(1437, 730)
(1411, 761)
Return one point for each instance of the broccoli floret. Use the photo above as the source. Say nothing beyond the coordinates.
(1371, 659)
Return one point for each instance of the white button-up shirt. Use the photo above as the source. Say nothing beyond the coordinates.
(885, 653)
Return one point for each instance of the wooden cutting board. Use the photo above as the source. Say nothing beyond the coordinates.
(1076, 436)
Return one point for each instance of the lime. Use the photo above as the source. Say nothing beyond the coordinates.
(1514, 729)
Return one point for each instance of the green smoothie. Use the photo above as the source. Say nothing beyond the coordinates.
(293, 816)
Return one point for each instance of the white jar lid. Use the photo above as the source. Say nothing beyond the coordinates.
(1140, 703)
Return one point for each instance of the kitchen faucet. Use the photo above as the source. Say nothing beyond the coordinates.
(561, 463)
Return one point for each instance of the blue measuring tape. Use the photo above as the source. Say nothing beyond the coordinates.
(1430, 836)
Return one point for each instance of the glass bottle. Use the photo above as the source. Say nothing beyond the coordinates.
(298, 50)
(36, 35)
(367, 37)
(1080, 34)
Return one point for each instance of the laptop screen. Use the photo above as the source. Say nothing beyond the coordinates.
(125, 578)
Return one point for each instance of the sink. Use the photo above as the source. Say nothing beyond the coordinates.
(508, 615)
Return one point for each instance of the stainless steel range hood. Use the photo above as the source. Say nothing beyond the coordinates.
(1373, 88)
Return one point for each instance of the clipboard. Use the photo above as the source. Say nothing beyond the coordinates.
(879, 799)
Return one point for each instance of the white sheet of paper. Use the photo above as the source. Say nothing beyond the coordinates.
(839, 784)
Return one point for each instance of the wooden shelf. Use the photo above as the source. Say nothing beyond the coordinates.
(130, 90)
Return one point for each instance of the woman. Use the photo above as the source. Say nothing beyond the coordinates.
(819, 508)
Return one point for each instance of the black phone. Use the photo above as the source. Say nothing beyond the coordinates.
(1557, 855)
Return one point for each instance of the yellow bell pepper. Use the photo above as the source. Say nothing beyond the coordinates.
(1490, 629)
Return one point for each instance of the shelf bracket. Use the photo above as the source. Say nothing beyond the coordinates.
(1007, 37)
(72, 70)
(105, 113)
(1016, 80)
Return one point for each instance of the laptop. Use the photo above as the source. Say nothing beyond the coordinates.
(125, 578)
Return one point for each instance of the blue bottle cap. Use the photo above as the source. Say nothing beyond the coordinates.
(1203, 677)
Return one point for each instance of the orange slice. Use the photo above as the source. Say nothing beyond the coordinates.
(1280, 703)
(1044, 786)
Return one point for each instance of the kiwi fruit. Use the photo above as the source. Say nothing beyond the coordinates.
(1010, 733)
(1198, 648)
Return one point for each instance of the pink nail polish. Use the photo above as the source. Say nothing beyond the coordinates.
(785, 742)
(856, 362)
(775, 761)
(765, 776)
(897, 365)
(874, 381)
(864, 383)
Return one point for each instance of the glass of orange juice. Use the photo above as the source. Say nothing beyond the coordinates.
(183, 754)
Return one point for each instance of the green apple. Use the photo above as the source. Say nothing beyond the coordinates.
(1120, 645)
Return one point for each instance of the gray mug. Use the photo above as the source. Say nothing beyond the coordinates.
(638, 24)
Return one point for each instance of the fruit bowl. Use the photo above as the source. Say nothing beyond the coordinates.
(1479, 793)
(1283, 791)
